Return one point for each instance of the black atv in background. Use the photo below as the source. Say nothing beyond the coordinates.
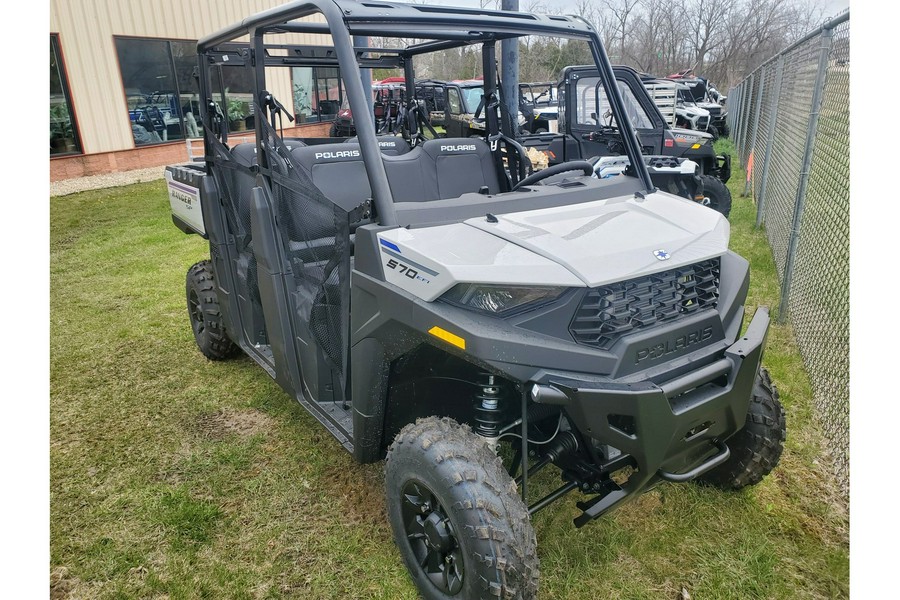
(588, 129)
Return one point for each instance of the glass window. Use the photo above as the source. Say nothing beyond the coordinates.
(304, 94)
(329, 88)
(473, 98)
(318, 93)
(160, 90)
(63, 132)
(184, 55)
(237, 81)
(454, 101)
(594, 109)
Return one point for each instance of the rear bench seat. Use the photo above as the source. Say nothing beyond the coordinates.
(435, 170)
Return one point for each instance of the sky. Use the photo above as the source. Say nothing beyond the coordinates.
(831, 7)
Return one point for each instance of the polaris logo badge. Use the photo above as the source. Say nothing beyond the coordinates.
(387, 144)
(661, 255)
(672, 346)
(338, 154)
(459, 148)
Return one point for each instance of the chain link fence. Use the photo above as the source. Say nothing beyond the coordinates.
(790, 123)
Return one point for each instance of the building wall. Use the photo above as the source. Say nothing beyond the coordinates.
(86, 29)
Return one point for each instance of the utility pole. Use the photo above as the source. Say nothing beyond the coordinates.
(509, 72)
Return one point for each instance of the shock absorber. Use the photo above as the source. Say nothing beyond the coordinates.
(488, 407)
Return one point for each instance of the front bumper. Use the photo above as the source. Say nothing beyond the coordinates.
(673, 430)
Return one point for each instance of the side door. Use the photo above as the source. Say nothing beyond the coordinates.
(591, 121)
(454, 124)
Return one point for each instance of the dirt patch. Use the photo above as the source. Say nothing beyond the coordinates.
(222, 423)
(61, 583)
(360, 488)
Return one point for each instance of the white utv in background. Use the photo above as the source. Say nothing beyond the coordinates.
(432, 303)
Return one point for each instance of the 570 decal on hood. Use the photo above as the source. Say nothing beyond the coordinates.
(404, 266)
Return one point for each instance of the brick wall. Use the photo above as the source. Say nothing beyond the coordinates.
(67, 167)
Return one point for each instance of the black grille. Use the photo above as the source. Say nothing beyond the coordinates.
(608, 312)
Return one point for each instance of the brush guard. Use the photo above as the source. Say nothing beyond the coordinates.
(671, 431)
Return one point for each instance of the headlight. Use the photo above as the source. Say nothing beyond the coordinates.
(500, 300)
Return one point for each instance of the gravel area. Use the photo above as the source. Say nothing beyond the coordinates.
(108, 180)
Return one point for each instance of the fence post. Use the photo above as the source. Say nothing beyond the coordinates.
(759, 101)
(824, 51)
(745, 119)
(736, 119)
(737, 128)
(770, 139)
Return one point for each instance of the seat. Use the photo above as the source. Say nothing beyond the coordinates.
(462, 165)
(442, 169)
(244, 181)
(391, 145)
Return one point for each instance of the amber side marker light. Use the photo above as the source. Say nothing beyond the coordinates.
(448, 337)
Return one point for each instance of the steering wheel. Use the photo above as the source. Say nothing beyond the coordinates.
(575, 165)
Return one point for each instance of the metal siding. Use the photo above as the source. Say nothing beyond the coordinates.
(86, 29)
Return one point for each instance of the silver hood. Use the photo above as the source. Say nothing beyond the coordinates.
(617, 239)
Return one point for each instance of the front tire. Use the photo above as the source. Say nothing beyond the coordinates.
(755, 449)
(458, 521)
(718, 193)
(205, 314)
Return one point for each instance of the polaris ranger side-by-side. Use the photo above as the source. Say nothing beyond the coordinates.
(439, 306)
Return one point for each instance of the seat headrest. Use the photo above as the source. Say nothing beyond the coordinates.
(392, 145)
(454, 146)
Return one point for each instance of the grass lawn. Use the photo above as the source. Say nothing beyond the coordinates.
(175, 477)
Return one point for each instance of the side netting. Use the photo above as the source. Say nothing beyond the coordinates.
(316, 236)
(235, 179)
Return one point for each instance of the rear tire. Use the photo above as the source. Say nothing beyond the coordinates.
(718, 193)
(755, 449)
(458, 521)
(205, 314)
(713, 132)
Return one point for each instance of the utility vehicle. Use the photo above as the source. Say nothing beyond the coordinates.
(387, 100)
(543, 106)
(440, 307)
(706, 97)
(588, 128)
(462, 112)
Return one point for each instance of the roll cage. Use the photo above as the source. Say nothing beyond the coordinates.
(441, 27)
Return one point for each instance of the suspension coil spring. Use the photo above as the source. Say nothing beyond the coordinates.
(488, 405)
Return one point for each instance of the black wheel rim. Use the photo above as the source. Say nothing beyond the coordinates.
(431, 538)
(197, 321)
